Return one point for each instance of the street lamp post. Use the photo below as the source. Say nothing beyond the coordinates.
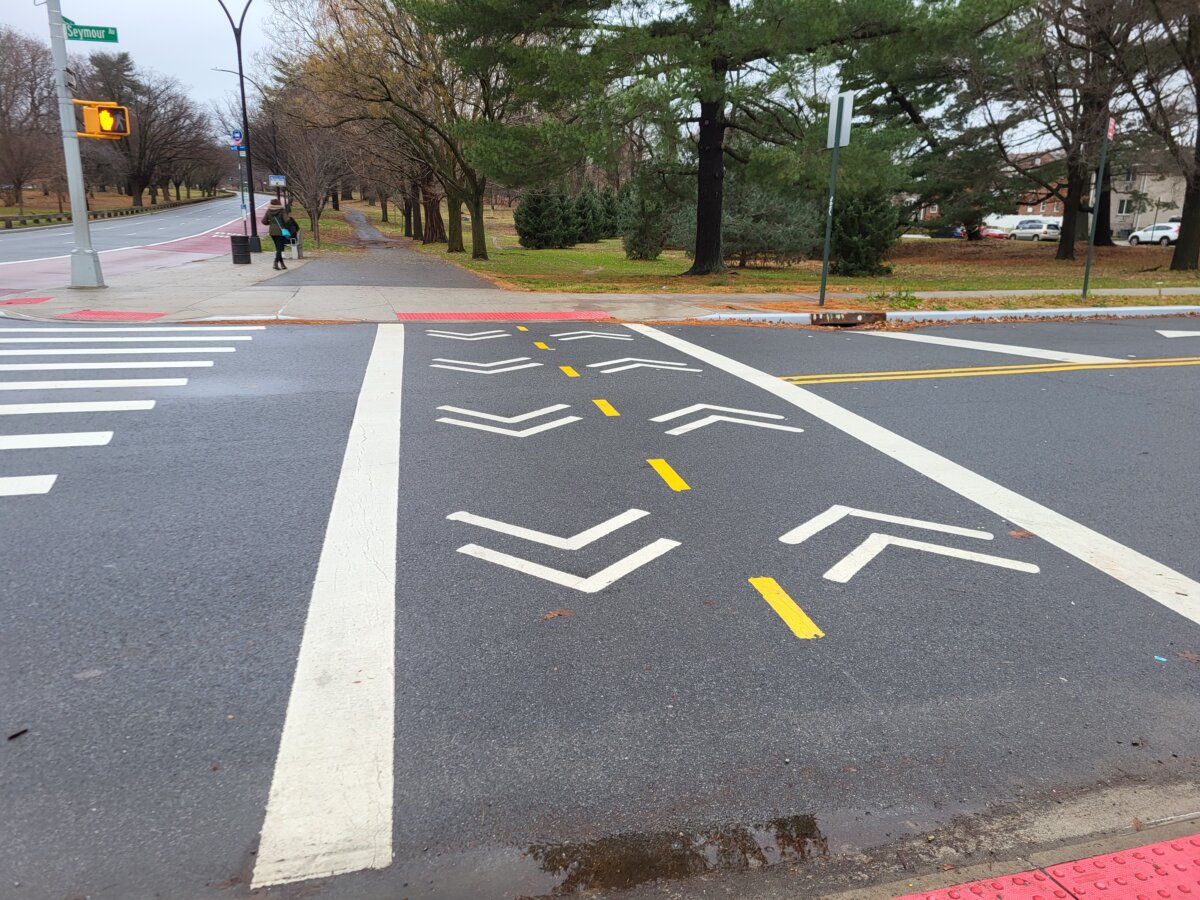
(255, 241)
(274, 131)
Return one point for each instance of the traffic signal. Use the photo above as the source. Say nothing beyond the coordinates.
(105, 121)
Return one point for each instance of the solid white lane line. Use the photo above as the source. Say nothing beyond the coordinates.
(114, 328)
(118, 340)
(330, 806)
(91, 383)
(46, 441)
(1009, 349)
(114, 351)
(27, 409)
(25, 485)
(62, 367)
(1160, 583)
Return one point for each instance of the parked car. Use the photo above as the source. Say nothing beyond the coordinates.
(1165, 233)
(1035, 230)
(991, 231)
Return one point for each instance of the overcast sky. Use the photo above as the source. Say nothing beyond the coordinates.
(185, 40)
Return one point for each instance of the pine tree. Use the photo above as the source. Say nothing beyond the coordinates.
(589, 214)
(539, 220)
(612, 212)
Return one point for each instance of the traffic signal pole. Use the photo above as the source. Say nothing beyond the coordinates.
(85, 261)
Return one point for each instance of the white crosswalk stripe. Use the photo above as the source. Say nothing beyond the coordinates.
(58, 341)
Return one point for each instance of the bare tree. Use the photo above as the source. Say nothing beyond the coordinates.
(28, 114)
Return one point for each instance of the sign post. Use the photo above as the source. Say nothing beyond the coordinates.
(1087, 269)
(85, 261)
(840, 112)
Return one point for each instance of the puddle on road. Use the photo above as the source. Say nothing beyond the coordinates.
(625, 860)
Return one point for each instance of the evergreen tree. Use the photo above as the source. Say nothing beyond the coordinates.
(540, 221)
(612, 212)
(865, 226)
(589, 216)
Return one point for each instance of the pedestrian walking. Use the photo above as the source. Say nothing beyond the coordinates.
(275, 222)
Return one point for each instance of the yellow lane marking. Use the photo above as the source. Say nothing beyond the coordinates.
(918, 374)
(569, 372)
(606, 407)
(522, 328)
(540, 345)
(669, 475)
(793, 616)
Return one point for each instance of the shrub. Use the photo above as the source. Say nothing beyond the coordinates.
(544, 220)
(589, 217)
(865, 226)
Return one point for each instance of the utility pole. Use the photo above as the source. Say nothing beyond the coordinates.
(255, 241)
(85, 261)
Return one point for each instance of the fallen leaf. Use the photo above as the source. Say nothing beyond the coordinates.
(710, 603)
(1189, 656)
(559, 613)
(1020, 533)
(1137, 824)
(946, 867)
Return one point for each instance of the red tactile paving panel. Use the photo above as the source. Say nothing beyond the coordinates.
(502, 316)
(110, 315)
(1169, 870)
(23, 301)
(1025, 886)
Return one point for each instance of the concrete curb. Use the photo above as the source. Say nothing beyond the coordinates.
(964, 314)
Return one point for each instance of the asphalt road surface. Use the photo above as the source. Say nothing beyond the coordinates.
(488, 610)
(22, 244)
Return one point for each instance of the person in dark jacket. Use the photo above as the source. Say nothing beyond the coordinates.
(275, 222)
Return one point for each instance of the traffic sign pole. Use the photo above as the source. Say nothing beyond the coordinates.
(838, 115)
(85, 262)
(1087, 268)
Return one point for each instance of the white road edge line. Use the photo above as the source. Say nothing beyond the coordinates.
(26, 485)
(75, 366)
(119, 340)
(47, 441)
(1160, 583)
(115, 351)
(63, 328)
(1010, 349)
(330, 806)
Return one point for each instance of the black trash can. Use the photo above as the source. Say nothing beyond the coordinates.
(239, 244)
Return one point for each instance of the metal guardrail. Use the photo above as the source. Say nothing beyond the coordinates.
(62, 218)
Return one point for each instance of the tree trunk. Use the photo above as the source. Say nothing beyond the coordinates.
(1104, 236)
(1186, 257)
(418, 229)
(1187, 249)
(478, 230)
(135, 191)
(1076, 183)
(383, 215)
(454, 226)
(435, 226)
(333, 198)
(188, 189)
(408, 218)
(710, 188)
(347, 193)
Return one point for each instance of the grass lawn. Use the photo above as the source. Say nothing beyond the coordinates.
(918, 265)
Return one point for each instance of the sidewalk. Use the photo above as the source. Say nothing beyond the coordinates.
(214, 288)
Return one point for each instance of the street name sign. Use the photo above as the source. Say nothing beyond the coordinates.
(104, 33)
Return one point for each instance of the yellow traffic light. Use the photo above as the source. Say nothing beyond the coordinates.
(105, 121)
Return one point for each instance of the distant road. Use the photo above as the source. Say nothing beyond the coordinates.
(23, 244)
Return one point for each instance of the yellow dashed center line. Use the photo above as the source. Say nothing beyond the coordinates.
(669, 475)
(522, 328)
(540, 345)
(793, 616)
(976, 371)
(606, 407)
(569, 372)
